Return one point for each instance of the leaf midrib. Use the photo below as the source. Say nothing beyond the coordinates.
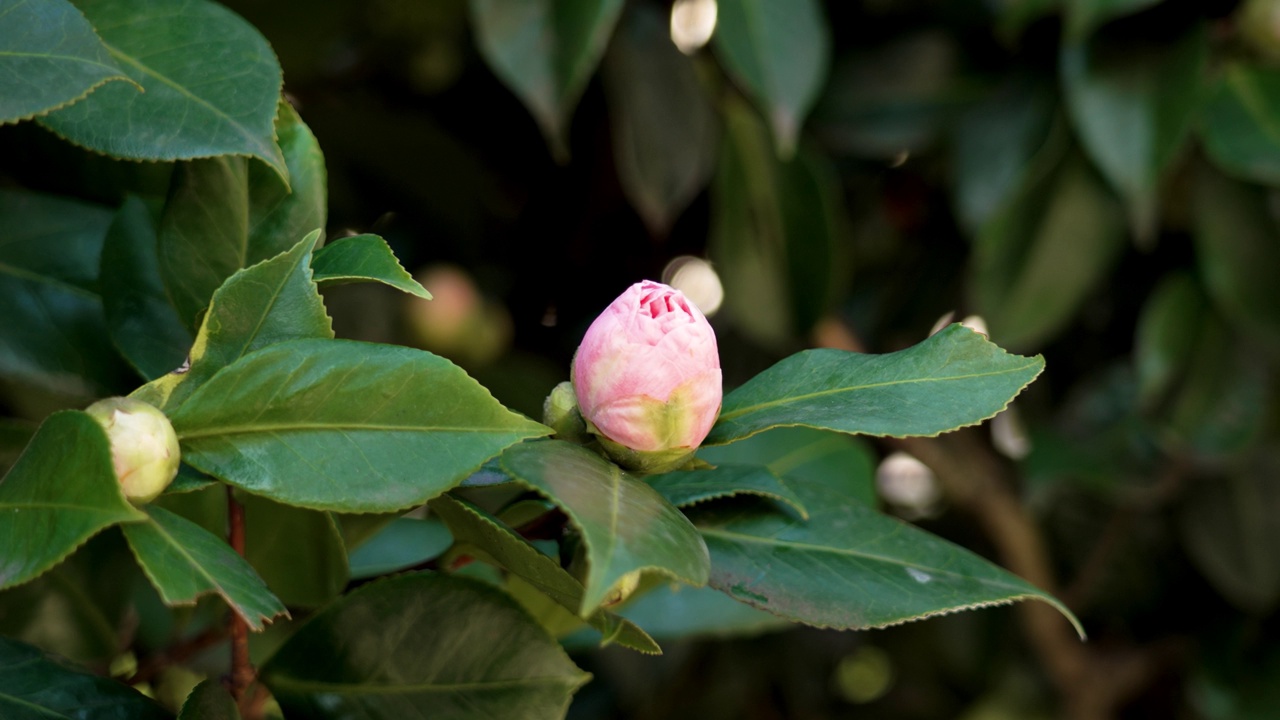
(846, 552)
(869, 386)
(333, 427)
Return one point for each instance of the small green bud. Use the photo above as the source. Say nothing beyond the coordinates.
(144, 447)
(560, 413)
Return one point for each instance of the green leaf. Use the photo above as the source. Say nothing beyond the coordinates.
(803, 455)
(1228, 528)
(184, 562)
(778, 233)
(49, 57)
(1132, 105)
(61, 492)
(545, 51)
(143, 323)
(848, 566)
(664, 126)
(994, 143)
(1237, 247)
(224, 214)
(1166, 335)
(403, 543)
(36, 686)
(210, 85)
(342, 425)
(363, 258)
(677, 611)
(953, 379)
(408, 646)
(299, 553)
(476, 528)
(626, 526)
(209, 701)
(778, 51)
(690, 487)
(1241, 122)
(259, 306)
(1083, 16)
(53, 334)
(1039, 258)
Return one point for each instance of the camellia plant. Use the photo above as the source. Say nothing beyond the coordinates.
(219, 512)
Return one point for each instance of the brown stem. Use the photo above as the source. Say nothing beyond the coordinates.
(242, 672)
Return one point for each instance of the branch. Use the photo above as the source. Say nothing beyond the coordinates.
(242, 672)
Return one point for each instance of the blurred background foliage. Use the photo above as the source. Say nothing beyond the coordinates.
(1094, 180)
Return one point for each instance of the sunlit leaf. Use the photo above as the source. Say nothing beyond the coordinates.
(953, 379)
(690, 487)
(342, 425)
(363, 258)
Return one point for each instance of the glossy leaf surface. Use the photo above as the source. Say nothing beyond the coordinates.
(342, 425)
(802, 455)
(408, 646)
(34, 686)
(363, 258)
(625, 524)
(49, 57)
(53, 500)
(217, 100)
(184, 562)
(848, 566)
(953, 379)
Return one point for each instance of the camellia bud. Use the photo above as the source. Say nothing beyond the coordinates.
(144, 447)
(647, 377)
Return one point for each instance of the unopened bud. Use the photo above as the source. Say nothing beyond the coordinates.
(144, 447)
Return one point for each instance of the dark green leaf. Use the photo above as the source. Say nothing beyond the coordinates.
(892, 99)
(673, 611)
(403, 543)
(259, 306)
(994, 143)
(407, 646)
(1083, 16)
(209, 701)
(1237, 248)
(545, 51)
(777, 233)
(210, 79)
(1241, 123)
(474, 527)
(61, 492)
(848, 566)
(53, 332)
(778, 51)
(299, 553)
(690, 487)
(1038, 260)
(184, 561)
(36, 686)
(625, 525)
(953, 379)
(1132, 104)
(1228, 527)
(143, 323)
(49, 57)
(1165, 339)
(803, 455)
(342, 425)
(224, 214)
(188, 480)
(363, 258)
(664, 126)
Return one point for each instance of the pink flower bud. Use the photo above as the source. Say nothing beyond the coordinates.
(647, 374)
(144, 447)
